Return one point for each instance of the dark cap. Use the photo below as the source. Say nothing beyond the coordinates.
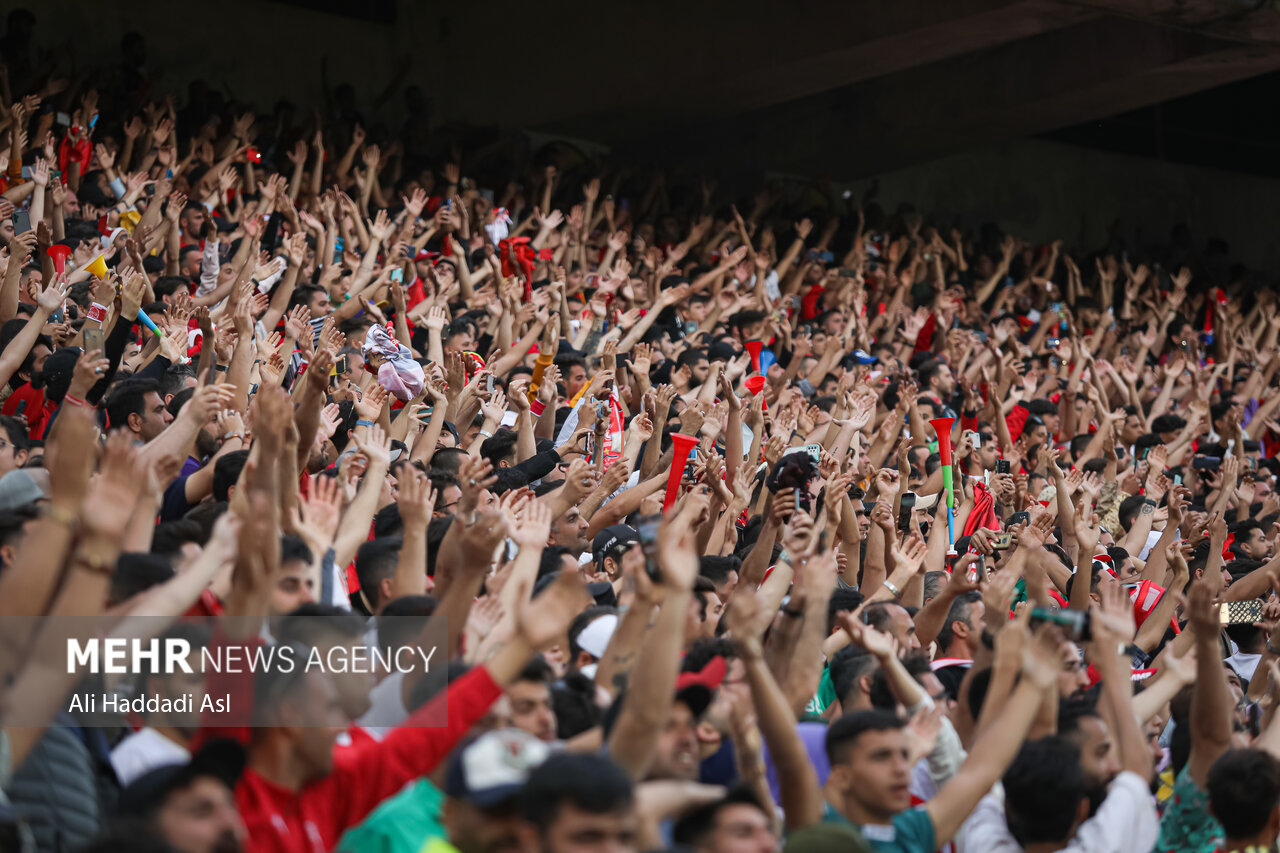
(696, 689)
(613, 541)
(222, 759)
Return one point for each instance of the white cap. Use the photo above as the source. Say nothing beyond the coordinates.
(594, 638)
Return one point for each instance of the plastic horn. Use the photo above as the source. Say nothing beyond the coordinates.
(58, 254)
(681, 446)
(98, 266)
(754, 348)
(755, 384)
(942, 426)
(147, 321)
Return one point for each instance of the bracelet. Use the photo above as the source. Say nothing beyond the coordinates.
(95, 563)
(486, 433)
(232, 435)
(76, 401)
(888, 584)
(222, 368)
(58, 515)
(364, 422)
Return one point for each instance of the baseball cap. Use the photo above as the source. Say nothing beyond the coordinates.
(594, 638)
(223, 759)
(695, 689)
(17, 488)
(612, 542)
(494, 767)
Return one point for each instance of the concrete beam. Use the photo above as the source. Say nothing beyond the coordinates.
(1038, 84)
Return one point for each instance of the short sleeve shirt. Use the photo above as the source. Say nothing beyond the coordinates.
(910, 832)
(1187, 826)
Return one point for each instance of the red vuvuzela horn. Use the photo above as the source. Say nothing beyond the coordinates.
(681, 446)
(58, 254)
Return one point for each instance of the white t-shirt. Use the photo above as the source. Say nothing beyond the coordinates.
(1125, 822)
(1244, 664)
(386, 709)
(144, 751)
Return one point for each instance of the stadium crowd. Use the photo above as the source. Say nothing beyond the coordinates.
(721, 523)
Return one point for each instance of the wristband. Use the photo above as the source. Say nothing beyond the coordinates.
(232, 435)
(222, 368)
(486, 433)
(76, 401)
(97, 313)
(59, 515)
(537, 407)
(888, 584)
(363, 422)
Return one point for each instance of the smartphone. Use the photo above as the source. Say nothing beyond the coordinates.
(847, 273)
(253, 155)
(1052, 343)
(1177, 479)
(22, 407)
(1075, 623)
(397, 274)
(647, 532)
(424, 414)
(1003, 542)
(93, 338)
(982, 336)
(1240, 612)
(797, 493)
(1206, 463)
(488, 383)
(21, 221)
(341, 366)
(1002, 466)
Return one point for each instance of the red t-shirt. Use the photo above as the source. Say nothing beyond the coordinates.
(312, 819)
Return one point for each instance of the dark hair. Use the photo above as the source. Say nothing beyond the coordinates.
(294, 548)
(716, 568)
(1043, 788)
(961, 611)
(591, 783)
(168, 538)
(881, 694)
(15, 432)
(692, 829)
(499, 446)
(537, 670)
(846, 667)
(226, 471)
(135, 573)
(401, 622)
(312, 625)
(128, 398)
(1244, 789)
(844, 732)
(375, 562)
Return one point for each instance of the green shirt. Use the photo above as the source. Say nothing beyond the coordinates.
(402, 824)
(910, 832)
(825, 696)
(1186, 825)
